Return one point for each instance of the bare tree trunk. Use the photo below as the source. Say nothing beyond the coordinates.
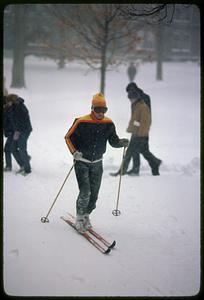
(103, 59)
(103, 70)
(159, 52)
(61, 56)
(18, 80)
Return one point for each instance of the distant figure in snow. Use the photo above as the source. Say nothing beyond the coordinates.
(139, 126)
(131, 71)
(19, 122)
(86, 140)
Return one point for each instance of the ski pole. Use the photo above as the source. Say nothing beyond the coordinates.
(45, 219)
(117, 212)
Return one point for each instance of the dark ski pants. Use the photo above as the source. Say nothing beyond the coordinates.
(137, 146)
(20, 152)
(89, 177)
(8, 151)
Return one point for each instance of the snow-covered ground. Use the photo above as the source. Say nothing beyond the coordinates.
(158, 232)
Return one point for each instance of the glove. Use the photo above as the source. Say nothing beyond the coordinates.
(16, 135)
(77, 155)
(124, 142)
(136, 123)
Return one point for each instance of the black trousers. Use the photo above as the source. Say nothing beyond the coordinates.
(137, 146)
(19, 151)
(89, 177)
(10, 148)
(8, 151)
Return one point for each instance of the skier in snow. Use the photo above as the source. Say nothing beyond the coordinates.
(21, 128)
(86, 140)
(139, 127)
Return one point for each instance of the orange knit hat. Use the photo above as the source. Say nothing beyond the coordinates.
(99, 100)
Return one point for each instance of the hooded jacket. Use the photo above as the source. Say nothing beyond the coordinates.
(20, 117)
(7, 121)
(90, 135)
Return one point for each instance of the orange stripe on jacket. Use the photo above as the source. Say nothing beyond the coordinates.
(69, 133)
(85, 119)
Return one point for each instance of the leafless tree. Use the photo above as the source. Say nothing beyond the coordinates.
(19, 47)
(101, 35)
(156, 15)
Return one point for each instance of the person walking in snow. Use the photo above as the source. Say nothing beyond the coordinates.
(7, 130)
(86, 140)
(8, 133)
(133, 89)
(131, 71)
(21, 126)
(139, 126)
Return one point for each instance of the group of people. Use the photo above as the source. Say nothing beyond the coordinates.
(17, 128)
(87, 139)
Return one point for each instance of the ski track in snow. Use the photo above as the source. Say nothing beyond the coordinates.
(158, 232)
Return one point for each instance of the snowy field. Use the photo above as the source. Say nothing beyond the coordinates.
(158, 232)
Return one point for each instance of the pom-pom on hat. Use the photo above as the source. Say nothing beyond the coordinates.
(98, 100)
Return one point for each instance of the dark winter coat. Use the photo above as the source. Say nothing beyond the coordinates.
(20, 117)
(8, 127)
(90, 135)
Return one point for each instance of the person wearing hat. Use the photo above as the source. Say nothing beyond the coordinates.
(132, 89)
(86, 140)
(139, 126)
(21, 127)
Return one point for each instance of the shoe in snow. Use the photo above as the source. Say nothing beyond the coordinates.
(24, 173)
(133, 172)
(118, 173)
(21, 170)
(7, 169)
(155, 169)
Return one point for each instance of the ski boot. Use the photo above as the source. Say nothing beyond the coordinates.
(87, 223)
(79, 224)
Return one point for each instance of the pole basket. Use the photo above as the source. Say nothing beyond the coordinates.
(44, 220)
(116, 212)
